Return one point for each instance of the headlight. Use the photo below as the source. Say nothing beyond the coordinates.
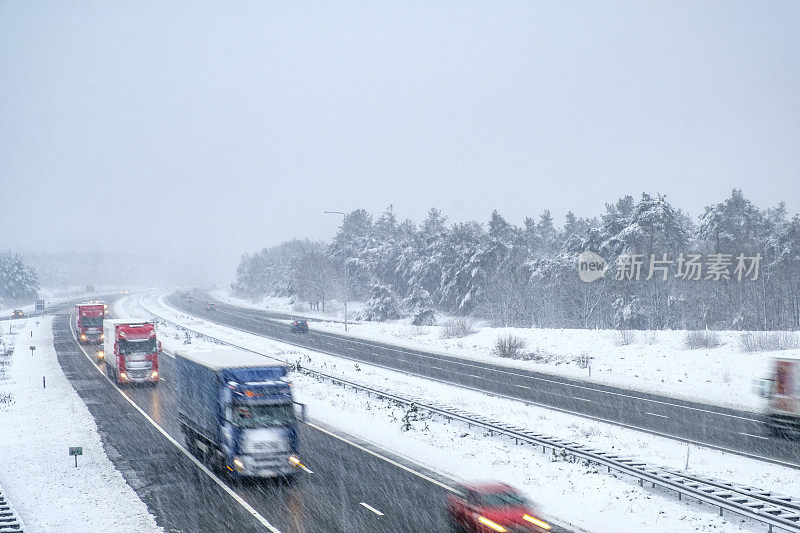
(102, 336)
(123, 375)
(101, 354)
(536, 521)
(154, 375)
(238, 464)
(494, 526)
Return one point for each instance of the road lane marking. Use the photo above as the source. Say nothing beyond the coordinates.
(384, 458)
(754, 436)
(436, 367)
(371, 508)
(474, 376)
(582, 399)
(654, 414)
(521, 386)
(249, 508)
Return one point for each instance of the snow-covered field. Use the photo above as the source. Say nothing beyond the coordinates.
(38, 426)
(652, 361)
(584, 495)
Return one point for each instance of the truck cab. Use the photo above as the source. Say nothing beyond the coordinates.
(131, 351)
(89, 323)
(236, 410)
(782, 392)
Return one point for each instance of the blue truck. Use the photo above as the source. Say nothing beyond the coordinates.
(236, 412)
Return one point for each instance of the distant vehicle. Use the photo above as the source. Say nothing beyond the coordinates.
(490, 507)
(299, 326)
(89, 322)
(782, 391)
(236, 412)
(131, 350)
(17, 313)
(211, 307)
(190, 299)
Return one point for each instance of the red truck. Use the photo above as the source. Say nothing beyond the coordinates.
(131, 351)
(89, 323)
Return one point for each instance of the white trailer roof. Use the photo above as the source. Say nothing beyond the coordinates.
(227, 358)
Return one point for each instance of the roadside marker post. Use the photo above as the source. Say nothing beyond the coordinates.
(76, 451)
(32, 349)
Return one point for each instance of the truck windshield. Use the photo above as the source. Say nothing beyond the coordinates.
(92, 321)
(257, 416)
(127, 347)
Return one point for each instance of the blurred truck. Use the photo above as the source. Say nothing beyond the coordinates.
(89, 322)
(131, 350)
(782, 392)
(236, 412)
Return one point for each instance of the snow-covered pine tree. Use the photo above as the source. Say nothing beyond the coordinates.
(382, 304)
(420, 305)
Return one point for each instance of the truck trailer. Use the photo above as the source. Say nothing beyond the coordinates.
(236, 412)
(89, 323)
(782, 392)
(131, 350)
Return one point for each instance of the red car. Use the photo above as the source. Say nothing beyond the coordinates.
(490, 507)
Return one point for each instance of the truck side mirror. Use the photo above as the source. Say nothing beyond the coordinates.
(159, 347)
(300, 411)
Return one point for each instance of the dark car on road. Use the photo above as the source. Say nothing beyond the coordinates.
(190, 299)
(17, 313)
(299, 326)
(488, 507)
(211, 307)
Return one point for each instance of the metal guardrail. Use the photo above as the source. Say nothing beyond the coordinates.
(9, 520)
(772, 509)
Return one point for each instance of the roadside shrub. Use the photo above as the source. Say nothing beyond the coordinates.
(762, 341)
(457, 328)
(625, 337)
(701, 339)
(298, 306)
(509, 346)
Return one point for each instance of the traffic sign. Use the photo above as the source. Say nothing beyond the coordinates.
(76, 451)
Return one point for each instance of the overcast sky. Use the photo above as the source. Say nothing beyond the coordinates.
(192, 129)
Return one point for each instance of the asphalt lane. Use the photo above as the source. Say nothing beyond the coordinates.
(331, 499)
(736, 431)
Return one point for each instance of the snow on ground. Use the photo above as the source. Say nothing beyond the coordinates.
(583, 494)
(38, 426)
(653, 361)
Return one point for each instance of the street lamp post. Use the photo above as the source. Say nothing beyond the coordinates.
(345, 269)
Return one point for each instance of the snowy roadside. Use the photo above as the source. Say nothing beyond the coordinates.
(471, 454)
(39, 425)
(650, 361)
